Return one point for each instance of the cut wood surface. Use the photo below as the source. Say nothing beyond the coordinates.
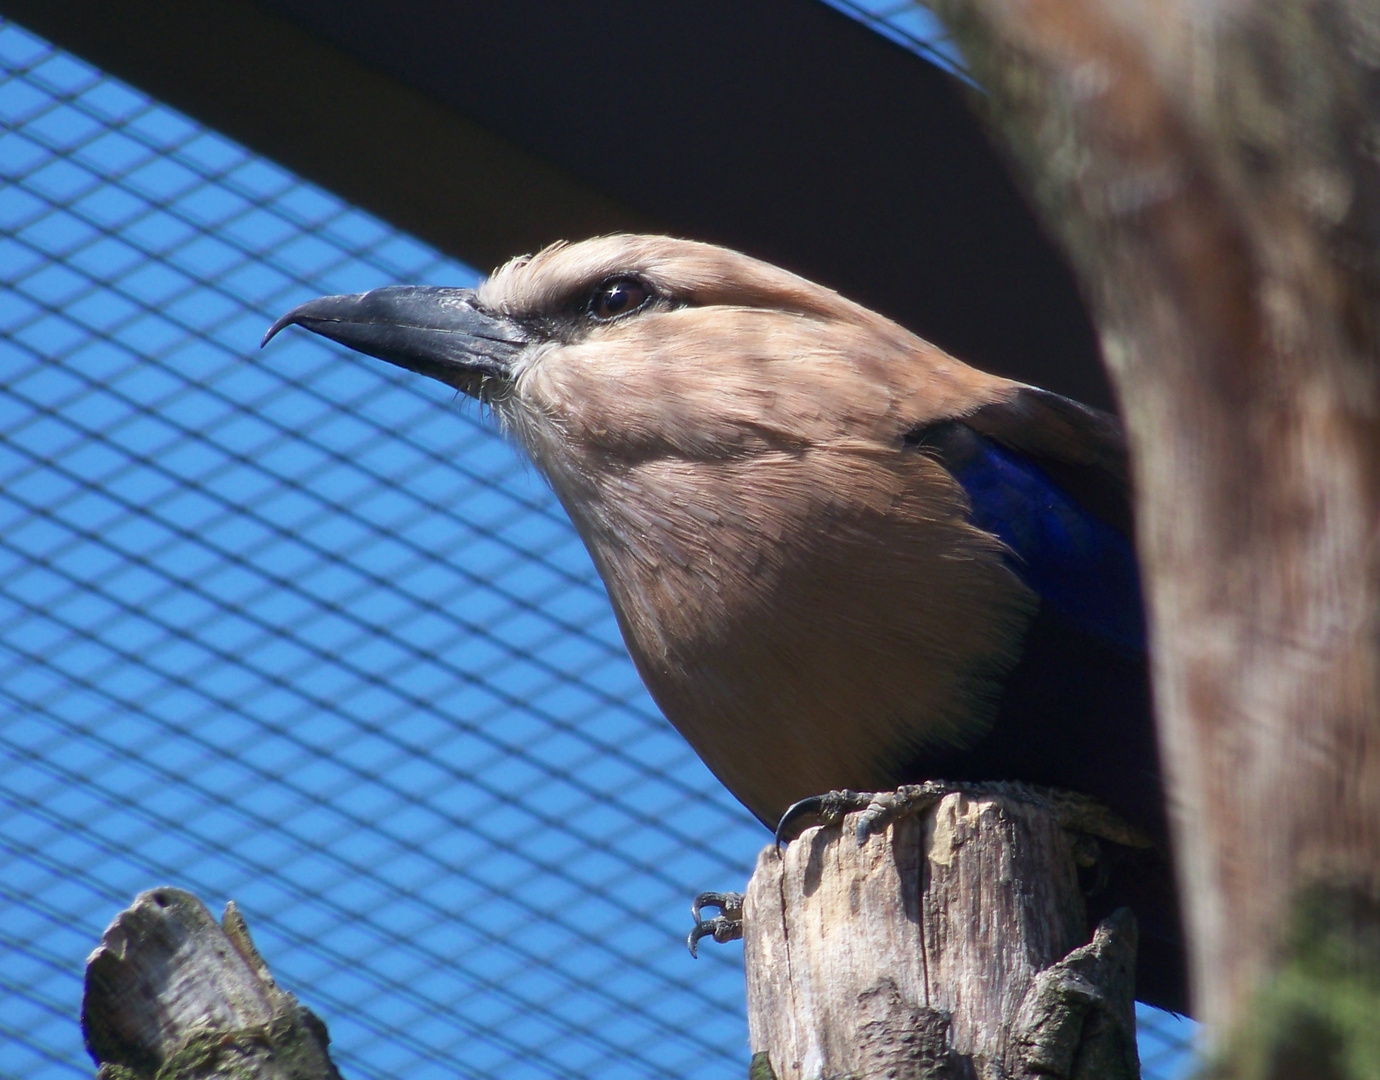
(172, 994)
(946, 946)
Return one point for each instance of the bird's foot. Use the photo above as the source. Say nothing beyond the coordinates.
(1078, 814)
(879, 808)
(823, 809)
(723, 927)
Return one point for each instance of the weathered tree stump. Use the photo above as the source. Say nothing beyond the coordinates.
(172, 994)
(953, 945)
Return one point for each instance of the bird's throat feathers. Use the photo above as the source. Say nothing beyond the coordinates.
(741, 481)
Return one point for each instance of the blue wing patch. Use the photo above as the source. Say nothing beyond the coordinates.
(1078, 564)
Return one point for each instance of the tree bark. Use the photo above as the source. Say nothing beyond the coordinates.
(947, 946)
(1212, 168)
(173, 995)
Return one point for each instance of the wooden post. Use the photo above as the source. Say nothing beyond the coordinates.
(172, 994)
(952, 945)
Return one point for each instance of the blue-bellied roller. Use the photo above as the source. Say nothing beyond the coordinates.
(839, 557)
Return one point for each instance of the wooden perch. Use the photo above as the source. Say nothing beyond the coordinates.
(172, 994)
(953, 945)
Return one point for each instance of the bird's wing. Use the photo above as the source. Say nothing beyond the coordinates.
(1082, 449)
(1048, 477)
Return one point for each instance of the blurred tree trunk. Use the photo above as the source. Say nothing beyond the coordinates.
(1212, 168)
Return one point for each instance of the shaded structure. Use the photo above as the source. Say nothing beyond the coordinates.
(779, 127)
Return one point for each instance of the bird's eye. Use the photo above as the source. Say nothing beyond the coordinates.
(618, 296)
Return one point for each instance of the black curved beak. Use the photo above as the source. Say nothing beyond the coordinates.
(427, 329)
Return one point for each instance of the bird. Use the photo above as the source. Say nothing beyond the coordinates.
(839, 557)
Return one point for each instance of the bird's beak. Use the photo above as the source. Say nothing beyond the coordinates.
(430, 330)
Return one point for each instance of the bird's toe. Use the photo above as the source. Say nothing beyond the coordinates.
(823, 809)
(723, 927)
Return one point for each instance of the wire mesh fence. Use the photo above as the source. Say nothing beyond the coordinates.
(298, 630)
(911, 25)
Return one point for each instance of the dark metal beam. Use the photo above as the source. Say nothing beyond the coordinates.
(779, 127)
(330, 117)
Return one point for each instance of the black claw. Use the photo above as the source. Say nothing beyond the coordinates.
(720, 928)
(809, 810)
(725, 926)
(818, 809)
(702, 929)
(730, 904)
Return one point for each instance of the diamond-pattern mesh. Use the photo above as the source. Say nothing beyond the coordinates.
(910, 24)
(297, 629)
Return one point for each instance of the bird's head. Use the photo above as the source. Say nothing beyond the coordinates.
(641, 347)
